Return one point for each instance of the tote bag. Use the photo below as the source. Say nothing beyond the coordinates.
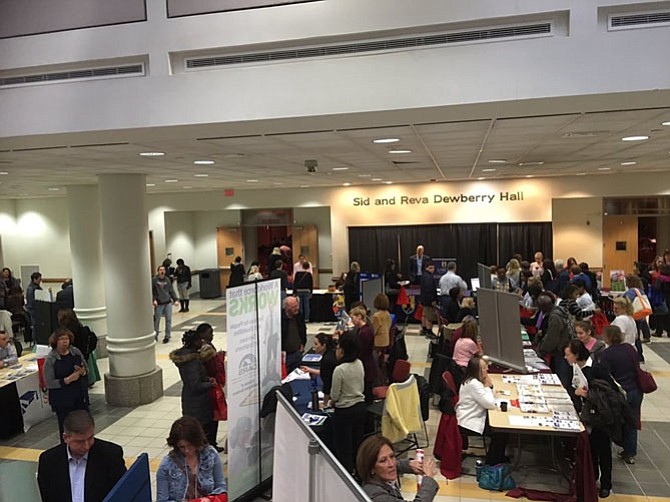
(641, 306)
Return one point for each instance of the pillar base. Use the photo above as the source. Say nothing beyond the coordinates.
(134, 391)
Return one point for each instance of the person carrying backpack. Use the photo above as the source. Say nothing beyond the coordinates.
(602, 408)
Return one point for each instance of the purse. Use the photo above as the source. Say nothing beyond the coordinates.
(221, 497)
(219, 404)
(645, 380)
(641, 306)
(600, 322)
(496, 477)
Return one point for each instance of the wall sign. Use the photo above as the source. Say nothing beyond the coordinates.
(461, 198)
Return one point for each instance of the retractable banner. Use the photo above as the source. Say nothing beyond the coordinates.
(254, 367)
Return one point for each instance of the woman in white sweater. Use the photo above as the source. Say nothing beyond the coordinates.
(623, 309)
(476, 398)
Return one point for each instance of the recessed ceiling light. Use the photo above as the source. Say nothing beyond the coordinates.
(187, 187)
(398, 150)
(529, 176)
(234, 155)
(346, 184)
(151, 184)
(376, 179)
(203, 162)
(388, 183)
(531, 163)
(488, 170)
(497, 161)
(201, 175)
(171, 181)
(277, 183)
(53, 189)
(381, 141)
(364, 175)
(580, 174)
(152, 154)
(340, 168)
(665, 123)
(304, 186)
(481, 178)
(252, 181)
(3, 172)
(604, 169)
(629, 163)
(635, 138)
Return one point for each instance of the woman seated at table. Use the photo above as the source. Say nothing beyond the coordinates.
(466, 346)
(378, 470)
(475, 400)
(325, 345)
(193, 468)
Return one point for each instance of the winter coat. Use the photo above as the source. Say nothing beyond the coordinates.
(195, 398)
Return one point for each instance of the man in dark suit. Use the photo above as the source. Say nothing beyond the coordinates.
(417, 264)
(82, 469)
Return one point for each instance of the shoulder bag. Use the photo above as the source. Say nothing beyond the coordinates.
(641, 306)
(645, 380)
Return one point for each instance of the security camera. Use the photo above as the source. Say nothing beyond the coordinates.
(311, 165)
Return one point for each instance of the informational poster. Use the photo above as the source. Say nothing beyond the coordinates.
(34, 402)
(254, 367)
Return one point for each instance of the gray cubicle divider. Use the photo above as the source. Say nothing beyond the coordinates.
(484, 274)
(298, 449)
(371, 288)
(500, 328)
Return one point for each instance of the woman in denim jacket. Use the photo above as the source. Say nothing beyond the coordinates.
(192, 469)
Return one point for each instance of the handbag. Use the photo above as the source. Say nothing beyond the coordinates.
(645, 380)
(496, 477)
(641, 306)
(220, 497)
(219, 404)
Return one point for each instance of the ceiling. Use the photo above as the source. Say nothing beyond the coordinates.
(554, 145)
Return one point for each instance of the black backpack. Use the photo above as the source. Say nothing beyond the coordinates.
(606, 408)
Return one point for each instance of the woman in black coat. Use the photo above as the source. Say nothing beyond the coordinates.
(195, 393)
(350, 287)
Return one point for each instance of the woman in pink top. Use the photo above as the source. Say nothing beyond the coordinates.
(466, 346)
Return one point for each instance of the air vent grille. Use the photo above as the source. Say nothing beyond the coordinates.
(373, 46)
(640, 20)
(78, 74)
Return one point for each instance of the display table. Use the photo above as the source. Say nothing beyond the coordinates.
(22, 401)
(321, 305)
(512, 420)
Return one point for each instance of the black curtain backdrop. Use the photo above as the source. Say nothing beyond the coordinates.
(525, 239)
(469, 243)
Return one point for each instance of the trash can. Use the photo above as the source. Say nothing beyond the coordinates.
(210, 283)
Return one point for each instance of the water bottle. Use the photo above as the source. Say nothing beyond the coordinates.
(315, 400)
(420, 454)
(478, 468)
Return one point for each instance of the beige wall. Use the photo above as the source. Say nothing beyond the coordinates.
(578, 229)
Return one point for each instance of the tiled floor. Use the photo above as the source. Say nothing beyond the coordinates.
(145, 428)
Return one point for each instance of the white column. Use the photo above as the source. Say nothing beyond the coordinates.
(133, 376)
(86, 255)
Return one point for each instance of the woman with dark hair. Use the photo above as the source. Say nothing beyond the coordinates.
(65, 376)
(236, 272)
(325, 345)
(378, 470)
(584, 331)
(195, 393)
(84, 339)
(475, 399)
(578, 355)
(549, 275)
(621, 360)
(451, 304)
(192, 469)
(7, 282)
(349, 401)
